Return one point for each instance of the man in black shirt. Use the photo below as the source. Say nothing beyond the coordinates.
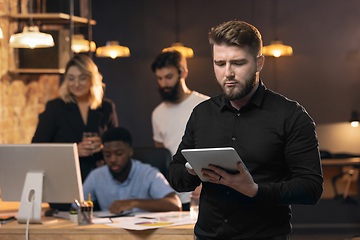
(274, 136)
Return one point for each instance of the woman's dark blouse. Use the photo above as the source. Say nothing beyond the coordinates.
(62, 123)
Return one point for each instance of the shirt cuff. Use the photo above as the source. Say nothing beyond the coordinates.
(264, 193)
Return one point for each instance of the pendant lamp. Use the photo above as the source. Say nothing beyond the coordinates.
(80, 44)
(31, 37)
(178, 46)
(185, 51)
(113, 50)
(276, 48)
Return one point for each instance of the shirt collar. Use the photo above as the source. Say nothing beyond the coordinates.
(256, 99)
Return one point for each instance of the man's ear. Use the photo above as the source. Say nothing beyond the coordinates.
(260, 63)
(184, 73)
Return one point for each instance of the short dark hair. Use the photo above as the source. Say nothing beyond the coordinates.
(117, 134)
(237, 33)
(166, 59)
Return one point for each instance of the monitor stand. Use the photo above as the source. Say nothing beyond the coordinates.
(31, 198)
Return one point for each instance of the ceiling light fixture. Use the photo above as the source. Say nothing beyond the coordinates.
(1, 34)
(178, 46)
(276, 48)
(113, 50)
(80, 44)
(31, 37)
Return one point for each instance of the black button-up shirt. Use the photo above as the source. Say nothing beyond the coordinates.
(276, 139)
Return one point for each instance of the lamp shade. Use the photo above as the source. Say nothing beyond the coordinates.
(31, 38)
(277, 49)
(185, 51)
(80, 44)
(113, 50)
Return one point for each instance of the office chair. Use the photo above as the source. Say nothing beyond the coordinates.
(157, 157)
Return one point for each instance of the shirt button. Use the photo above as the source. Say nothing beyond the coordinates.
(233, 138)
(225, 220)
(238, 114)
(227, 193)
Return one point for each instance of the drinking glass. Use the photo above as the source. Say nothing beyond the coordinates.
(194, 206)
(87, 135)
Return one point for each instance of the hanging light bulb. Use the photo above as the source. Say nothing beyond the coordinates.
(185, 51)
(178, 46)
(113, 50)
(31, 38)
(277, 49)
(80, 44)
(354, 120)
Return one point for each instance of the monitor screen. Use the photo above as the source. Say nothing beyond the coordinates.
(56, 164)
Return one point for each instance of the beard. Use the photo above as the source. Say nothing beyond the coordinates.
(232, 94)
(123, 171)
(172, 95)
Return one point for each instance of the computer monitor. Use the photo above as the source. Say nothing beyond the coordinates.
(47, 172)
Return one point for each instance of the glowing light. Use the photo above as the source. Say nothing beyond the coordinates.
(113, 50)
(31, 38)
(277, 49)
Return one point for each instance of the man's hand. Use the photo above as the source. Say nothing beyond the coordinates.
(119, 206)
(241, 182)
(190, 169)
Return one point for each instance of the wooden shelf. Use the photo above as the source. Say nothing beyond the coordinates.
(38, 70)
(52, 18)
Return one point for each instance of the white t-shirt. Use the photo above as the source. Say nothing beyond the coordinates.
(169, 122)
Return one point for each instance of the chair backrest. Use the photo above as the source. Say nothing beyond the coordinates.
(157, 157)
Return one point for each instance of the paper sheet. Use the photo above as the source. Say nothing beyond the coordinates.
(143, 221)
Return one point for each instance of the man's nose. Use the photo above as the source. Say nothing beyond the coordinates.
(113, 158)
(162, 83)
(229, 72)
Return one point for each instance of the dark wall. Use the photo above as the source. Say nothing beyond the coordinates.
(322, 75)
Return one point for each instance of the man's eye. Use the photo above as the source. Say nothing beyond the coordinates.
(238, 63)
(220, 64)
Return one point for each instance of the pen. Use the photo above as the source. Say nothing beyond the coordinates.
(90, 203)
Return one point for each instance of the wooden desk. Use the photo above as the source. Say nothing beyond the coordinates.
(333, 167)
(341, 162)
(63, 229)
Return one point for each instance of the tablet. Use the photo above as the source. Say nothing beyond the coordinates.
(227, 158)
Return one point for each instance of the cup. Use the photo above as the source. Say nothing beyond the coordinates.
(85, 215)
(194, 207)
(73, 217)
(87, 135)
